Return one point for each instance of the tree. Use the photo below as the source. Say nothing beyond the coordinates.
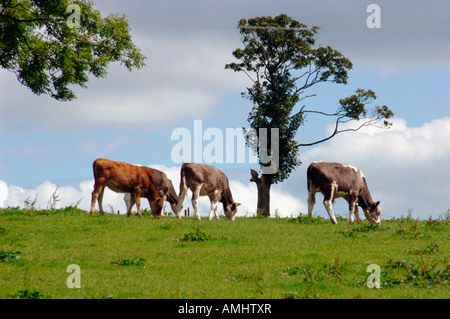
(282, 61)
(50, 44)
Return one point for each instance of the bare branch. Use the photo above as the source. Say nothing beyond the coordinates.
(370, 122)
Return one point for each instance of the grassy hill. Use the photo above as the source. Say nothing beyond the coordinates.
(134, 257)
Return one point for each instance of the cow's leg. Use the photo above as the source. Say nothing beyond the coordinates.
(357, 213)
(214, 199)
(352, 206)
(100, 201)
(97, 195)
(195, 195)
(127, 199)
(130, 205)
(137, 199)
(311, 200)
(94, 199)
(213, 210)
(352, 198)
(183, 193)
(328, 202)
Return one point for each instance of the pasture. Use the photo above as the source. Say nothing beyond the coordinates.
(270, 258)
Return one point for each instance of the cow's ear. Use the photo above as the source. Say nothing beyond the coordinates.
(238, 204)
(377, 203)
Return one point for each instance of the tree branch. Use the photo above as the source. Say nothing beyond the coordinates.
(336, 131)
(255, 177)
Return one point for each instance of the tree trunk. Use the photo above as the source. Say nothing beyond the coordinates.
(263, 183)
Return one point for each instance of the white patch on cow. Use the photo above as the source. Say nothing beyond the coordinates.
(336, 193)
(352, 167)
(329, 203)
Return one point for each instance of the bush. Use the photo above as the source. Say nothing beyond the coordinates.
(196, 235)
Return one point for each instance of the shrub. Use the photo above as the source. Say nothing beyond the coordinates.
(196, 235)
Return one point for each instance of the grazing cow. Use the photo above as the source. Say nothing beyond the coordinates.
(125, 178)
(335, 180)
(163, 185)
(206, 180)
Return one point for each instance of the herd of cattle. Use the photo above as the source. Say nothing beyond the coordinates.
(333, 180)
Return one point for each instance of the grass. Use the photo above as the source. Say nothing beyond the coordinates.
(288, 258)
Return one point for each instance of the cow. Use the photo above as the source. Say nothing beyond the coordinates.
(163, 185)
(125, 178)
(206, 180)
(336, 180)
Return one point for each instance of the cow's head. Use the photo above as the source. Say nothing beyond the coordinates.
(175, 209)
(156, 207)
(373, 213)
(231, 210)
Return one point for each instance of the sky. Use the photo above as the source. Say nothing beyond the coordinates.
(132, 116)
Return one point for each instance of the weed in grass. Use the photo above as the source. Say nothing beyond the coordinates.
(424, 275)
(336, 269)
(257, 279)
(292, 271)
(196, 235)
(9, 255)
(430, 249)
(410, 230)
(354, 231)
(304, 220)
(130, 262)
(29, 294)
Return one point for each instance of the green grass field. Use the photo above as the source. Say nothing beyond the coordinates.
(134, 257)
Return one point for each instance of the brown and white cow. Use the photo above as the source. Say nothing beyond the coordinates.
(206, 180)
(163, 185)
(335, 180)
(125, 178)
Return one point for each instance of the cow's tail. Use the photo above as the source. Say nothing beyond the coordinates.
(308, 177)
(94, 168)
(183, 186)
(183, 190)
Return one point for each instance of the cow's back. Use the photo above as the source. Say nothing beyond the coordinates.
(346, 176)
(196, 174)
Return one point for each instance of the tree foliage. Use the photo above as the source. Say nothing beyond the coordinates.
(40, 44)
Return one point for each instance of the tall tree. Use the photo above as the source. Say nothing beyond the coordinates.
(282, 61)
(50, 44)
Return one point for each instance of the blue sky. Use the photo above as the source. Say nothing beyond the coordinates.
(130, 116)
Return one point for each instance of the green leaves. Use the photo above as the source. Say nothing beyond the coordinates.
(9, 255)
(196, 235)
(48, 54)
(355, 107)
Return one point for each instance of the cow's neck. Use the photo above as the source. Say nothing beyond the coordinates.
(365, 199)
(172, 196)
(227, 199)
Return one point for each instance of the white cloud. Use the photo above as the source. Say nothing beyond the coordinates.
(3, 193)
(184, 77)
